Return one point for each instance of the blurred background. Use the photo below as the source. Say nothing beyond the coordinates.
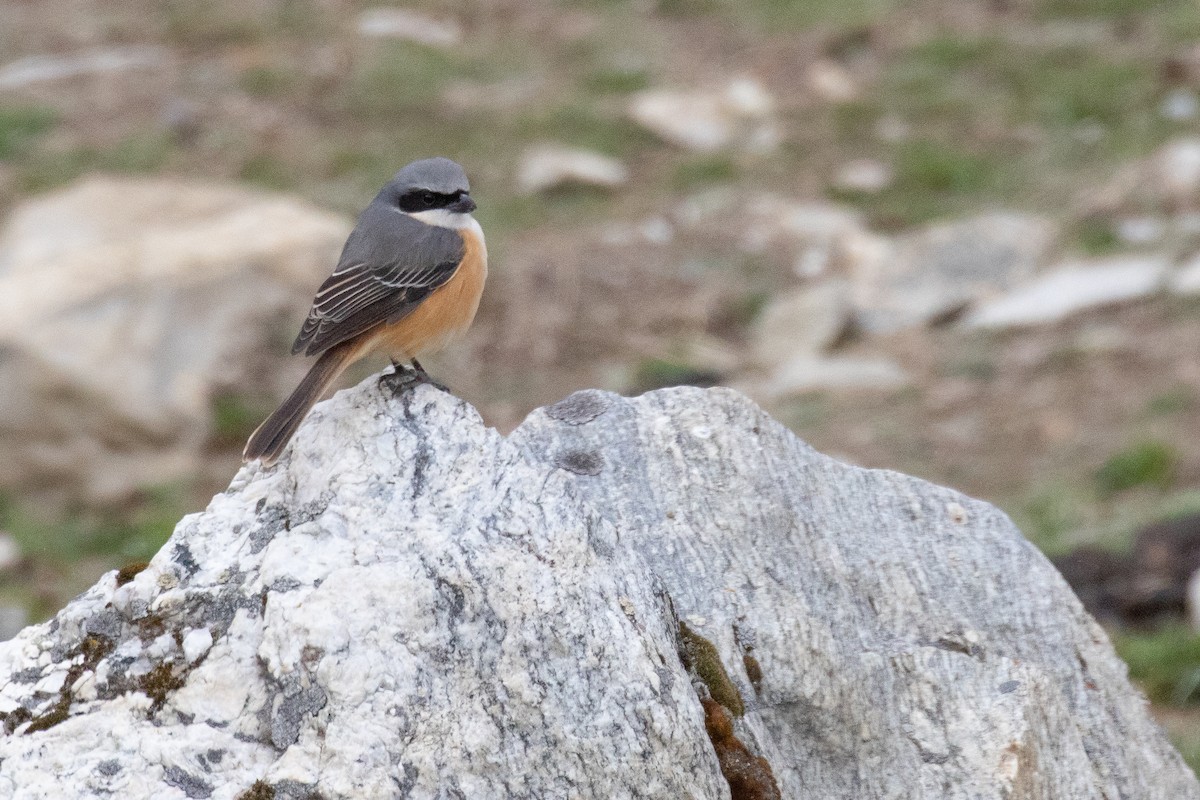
(956, 238)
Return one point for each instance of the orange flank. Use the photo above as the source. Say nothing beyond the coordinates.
(444, 315)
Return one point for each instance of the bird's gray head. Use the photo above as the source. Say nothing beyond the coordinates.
(434, 190)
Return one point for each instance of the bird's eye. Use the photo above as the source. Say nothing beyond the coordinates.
(428, 199)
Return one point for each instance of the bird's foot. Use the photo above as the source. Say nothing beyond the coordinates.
(424, 377)
(401, 379)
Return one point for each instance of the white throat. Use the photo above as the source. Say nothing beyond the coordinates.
(444, 218)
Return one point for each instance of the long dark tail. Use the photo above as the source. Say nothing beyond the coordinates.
(269, 439)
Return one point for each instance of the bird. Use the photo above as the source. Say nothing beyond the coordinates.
(408, 283)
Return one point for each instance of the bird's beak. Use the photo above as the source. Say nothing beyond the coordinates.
(463, 205)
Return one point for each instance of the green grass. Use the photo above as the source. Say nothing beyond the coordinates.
(615, 80)
(234, 418)
(1149, 463)
(585, 125)
(20, 126)
(1077, 9)
(704, 170)
(659, 373)
(1050, 516)
(266, 81)
(1165, 662)
(394, 79)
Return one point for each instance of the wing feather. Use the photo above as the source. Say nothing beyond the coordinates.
(390, 264)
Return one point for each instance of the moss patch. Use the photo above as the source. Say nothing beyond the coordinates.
(93, 648)
(701, 658)
(158, 683)
(261, 790)
(749, 776)
(130, 571)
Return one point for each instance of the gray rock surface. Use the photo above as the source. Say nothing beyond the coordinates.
(126, 306)
(410, 606)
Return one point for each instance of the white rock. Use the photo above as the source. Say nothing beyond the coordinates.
(832, 82)
(409, 25)
(550, 166)
(33, 70)
(820, 234)
(864, 175)
(125, 304)
(196, 643)
(1141, 230)
(1176, 170)
(940, 269)
(10, 552)
(1187, 279)
(1071, 288)
(1193, 601)
(1180, 105)
(804, 374)
(709, 120)
(804, 321)
(501, 616)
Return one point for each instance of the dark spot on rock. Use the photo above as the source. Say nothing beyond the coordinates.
(580, 408)
(420, 464)
(259, 790)
(130, 571)
(285, 584)
(181, 554)
(458, 600)
(701, 657)
(214, 755)
(29, 675)
(1008, 687)
(107, 624)
(580, 462)
(271, 521)
(301, 697)
(957, 642)
(406, 784)
(749, 776)
(109, 767)
(15, 719)
(935, 758)
(191, 785)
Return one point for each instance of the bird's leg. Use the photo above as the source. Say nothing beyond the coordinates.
(401, 379)
(423, 376)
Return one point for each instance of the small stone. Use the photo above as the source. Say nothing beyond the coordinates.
(805, 374)
(805, 321)
(1187, 280)
(864, 175)
(1176, 170)
(1072, 288)
(551, 166)
(196, 643)
(941, 269)
(10, 551)
(37, 69)
(707, 120)
(409, 25)
(832, 82)
(1179, 105)
(1141, 230)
